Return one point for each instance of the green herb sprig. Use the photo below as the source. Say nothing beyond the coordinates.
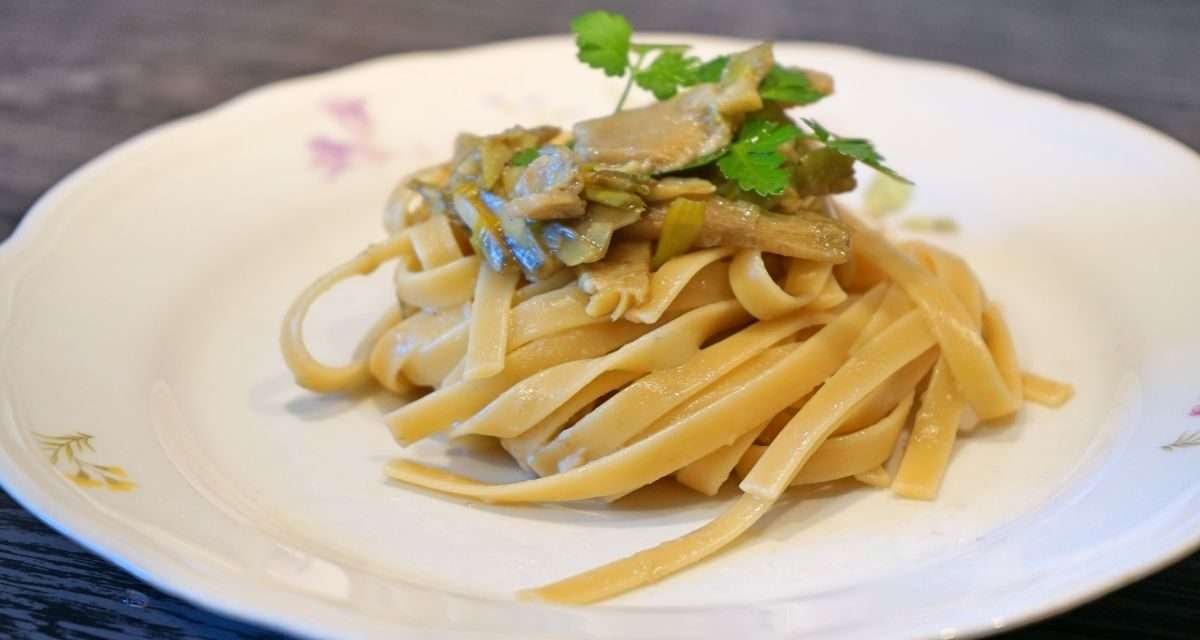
(605, 41)
(753, 160)
(860, 149)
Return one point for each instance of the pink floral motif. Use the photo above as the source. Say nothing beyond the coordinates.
(350, 113)
(1195, 412)
(333, 155)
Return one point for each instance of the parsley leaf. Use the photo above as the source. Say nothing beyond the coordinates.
(790, 86)
(669, 71)
(783, 85)
(523, 157)
(603, 41)
(753, 160)
(860, 149)
(711, 71)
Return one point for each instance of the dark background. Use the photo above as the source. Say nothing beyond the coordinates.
(78, 77)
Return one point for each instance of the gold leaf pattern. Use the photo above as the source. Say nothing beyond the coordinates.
(67, 450)
(1185, 439)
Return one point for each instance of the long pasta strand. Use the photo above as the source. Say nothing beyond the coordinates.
(669, 557)
(626, 414)
(440, 409)
(534, 398)
(866, 370)
(491, 312)
(523, 446)
(314, 375)
(932, 439)
(654, 564)
(974, 369)
(680, 444)
(848, 455)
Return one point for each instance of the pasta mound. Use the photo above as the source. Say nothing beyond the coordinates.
(619, 306)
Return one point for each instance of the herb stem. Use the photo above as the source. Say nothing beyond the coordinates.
(637, 66)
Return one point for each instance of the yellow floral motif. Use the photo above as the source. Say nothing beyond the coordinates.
(1185, 439)
(65, 453)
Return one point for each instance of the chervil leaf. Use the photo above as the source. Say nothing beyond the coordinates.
(753, 160)
(711, 71)
(669, 71)
(860, 149)
(789, 86)
(523, 158)
(603, 41)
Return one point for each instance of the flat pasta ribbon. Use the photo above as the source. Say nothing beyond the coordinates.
(314, 375)
(666, 346)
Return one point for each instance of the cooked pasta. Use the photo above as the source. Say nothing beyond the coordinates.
(619, 311)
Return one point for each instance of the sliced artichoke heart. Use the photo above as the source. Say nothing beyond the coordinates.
(586, 239)
(731, 223)
(521, 238)
(677, 133)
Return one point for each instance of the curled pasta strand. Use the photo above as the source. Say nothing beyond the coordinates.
(308, 371)
(762, 296)
(448, 285)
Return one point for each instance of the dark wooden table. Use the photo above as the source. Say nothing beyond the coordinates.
(77, 77)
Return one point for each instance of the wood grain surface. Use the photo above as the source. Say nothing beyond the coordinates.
(77, 77)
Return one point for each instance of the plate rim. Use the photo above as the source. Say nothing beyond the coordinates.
(175, 577)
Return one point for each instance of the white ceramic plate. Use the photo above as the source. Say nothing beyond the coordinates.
(140, 301)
